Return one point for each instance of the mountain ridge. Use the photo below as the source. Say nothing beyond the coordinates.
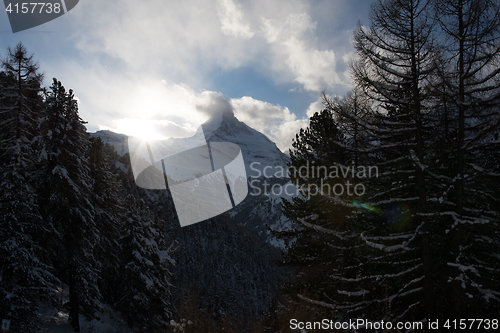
(259, 209)
(223, 126)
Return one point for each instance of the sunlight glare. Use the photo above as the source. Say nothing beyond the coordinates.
(140, 128)
(158, 111)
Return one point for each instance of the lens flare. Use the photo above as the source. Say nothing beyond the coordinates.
(398, 216)
(368, 207)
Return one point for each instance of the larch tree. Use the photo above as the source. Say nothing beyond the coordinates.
(427, 233)
(394, 67)
(391, 276)
(469, 87)
(324, 242)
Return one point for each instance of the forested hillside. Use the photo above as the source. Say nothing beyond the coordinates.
(64, 216)
(73, 217)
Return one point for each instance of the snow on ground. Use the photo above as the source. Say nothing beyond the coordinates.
(55, 319)
(57, 322)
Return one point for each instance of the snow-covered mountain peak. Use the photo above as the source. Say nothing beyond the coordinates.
(256, 147)
(220, 122)
(258, 150)
(262, 159)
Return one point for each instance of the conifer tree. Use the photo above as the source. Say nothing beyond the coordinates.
(395, 69)
(394, 65)
(25, 276)
(144, 287)
(67, 202)
(427, 233)
(109, 212)
(22, 98)
(469, 86)
(323, 240)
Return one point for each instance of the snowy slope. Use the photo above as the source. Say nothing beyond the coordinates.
(259, 153)
(117, 140)
(55, 318)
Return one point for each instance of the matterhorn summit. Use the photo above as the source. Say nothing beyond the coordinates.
(258, 150)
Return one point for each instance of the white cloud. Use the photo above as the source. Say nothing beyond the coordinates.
(190, 109)
(116, 100)
(277, 122)
(153, 60)
(209, 103)
(166, 110)
(260, 115)
(188, 39)
(296, 53)
(283, 29)
(286, 132)
(315, 70)
(231, 18)
(185, 39)
(314, 107)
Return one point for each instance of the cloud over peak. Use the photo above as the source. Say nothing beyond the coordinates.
(211, 103)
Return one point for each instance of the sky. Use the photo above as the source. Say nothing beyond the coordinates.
(145, 68)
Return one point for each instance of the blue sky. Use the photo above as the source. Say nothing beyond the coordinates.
(143, 67)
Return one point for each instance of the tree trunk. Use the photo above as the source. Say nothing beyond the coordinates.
(73, 319)
(457, 289)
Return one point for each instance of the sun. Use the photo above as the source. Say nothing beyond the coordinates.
(156, 110)
(140, 128)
